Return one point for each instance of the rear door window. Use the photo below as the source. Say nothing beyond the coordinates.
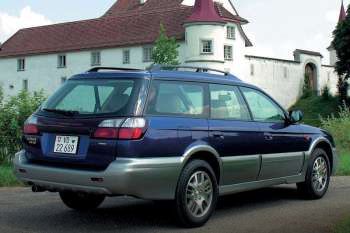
(177, 98)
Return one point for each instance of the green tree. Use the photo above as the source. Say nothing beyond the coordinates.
(341, 44)
(1, 95)
(165, 50)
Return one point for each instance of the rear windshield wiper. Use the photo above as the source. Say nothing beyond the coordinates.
(62, 112)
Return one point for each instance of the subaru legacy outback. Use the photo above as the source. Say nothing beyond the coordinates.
(169, 134)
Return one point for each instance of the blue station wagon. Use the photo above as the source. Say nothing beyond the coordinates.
(169, 134)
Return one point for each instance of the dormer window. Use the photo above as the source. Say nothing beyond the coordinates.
(231, 32)
(207, 47)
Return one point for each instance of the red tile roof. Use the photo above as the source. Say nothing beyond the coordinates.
(125, 24)
(204, 11)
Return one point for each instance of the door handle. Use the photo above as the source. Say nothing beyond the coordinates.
(218, 135)
(268, 136)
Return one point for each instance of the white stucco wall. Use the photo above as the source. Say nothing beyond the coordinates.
(332, 57)
(42, 73)
(329, 78)
(284, 79)
(195, 33)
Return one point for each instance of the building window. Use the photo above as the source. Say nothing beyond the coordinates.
(147, 54)
(231, 32)
(21, 64)
(228, 52)
(61, 61)
(25, 85)
(126, 57)
(207, 47)
(285, 72)
(95, 58)
(252, 71)
(63, 80)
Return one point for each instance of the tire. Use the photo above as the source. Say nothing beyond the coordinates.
(196, 203)
(317, 180)
(81, 201)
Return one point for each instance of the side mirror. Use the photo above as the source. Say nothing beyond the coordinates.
(296, 116)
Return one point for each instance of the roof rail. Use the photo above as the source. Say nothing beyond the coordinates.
(96, 69)
(198, 69)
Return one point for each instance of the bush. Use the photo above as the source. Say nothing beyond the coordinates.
(13, 113)
(339, 127)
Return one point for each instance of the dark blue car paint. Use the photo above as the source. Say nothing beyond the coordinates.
(167, 136)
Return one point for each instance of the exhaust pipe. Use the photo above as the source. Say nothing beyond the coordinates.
(37, 189)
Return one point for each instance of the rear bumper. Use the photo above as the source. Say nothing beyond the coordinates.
(154, 178)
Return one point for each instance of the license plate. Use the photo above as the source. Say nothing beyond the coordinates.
(66, 145)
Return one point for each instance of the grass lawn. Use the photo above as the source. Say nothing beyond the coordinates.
(343, 227)
(7, 178)
(315, 106)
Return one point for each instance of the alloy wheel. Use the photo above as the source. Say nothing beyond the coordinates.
(319, 174)
(199, 194)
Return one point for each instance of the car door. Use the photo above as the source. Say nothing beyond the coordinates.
(233, 135)
(282, 143)
(177, 113)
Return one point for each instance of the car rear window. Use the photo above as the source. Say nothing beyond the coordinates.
(95, 97)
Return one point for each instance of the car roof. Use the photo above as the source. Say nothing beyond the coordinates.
(227, 79)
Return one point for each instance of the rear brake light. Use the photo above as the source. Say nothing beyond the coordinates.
(31, 126)
(130, 133)
(106, 133)
(124, 129)
(30, 129)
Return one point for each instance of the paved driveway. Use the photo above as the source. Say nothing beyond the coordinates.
(270, 210)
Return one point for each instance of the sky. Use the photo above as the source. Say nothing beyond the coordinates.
(276, 28)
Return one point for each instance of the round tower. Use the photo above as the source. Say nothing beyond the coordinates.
(205, 33)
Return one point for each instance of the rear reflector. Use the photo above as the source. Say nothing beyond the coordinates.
(106, 133)
(30, 129)
(97, 179)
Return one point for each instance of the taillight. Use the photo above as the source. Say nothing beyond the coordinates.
(31, 126)
(30, 129)
(124, 129)
(106, 133)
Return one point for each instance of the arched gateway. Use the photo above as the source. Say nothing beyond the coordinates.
(311, 74)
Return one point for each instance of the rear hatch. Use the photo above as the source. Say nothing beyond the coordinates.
(80, 125)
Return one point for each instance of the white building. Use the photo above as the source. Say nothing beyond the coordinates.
(210, 35)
